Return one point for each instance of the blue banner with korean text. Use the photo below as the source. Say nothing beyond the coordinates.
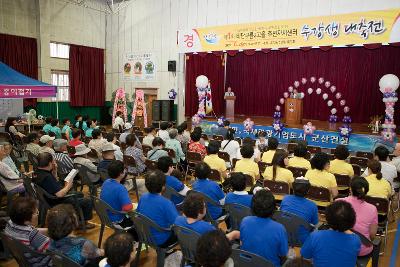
(324, 139)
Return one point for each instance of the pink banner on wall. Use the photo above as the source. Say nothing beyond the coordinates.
(26, 91)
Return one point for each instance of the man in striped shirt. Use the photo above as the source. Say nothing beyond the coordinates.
(64, 161)
(21, 226)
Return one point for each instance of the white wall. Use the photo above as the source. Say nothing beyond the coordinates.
(152, 25)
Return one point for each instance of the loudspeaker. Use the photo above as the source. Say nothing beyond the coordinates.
(156, 110)
(172, 65)
(167, 109)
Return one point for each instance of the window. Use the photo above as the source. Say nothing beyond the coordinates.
(61, 79)
(59, 50)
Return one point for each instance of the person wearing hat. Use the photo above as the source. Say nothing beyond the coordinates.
(81, 157)
(300, 206)
(129, 130)
(64, 161)
(107, 152)
(46, 142)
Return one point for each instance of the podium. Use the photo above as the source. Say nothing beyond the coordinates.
(293, 110)
(230, 108)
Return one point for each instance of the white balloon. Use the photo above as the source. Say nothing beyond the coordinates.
(318, 91)
(342, 102)
(346, 109)
(309, 91)
(282, 101)
(333, 89)
(325, 96)
(201, 81)
(330, 103)
(333, 111)
(290, 89)
(285, 94)
(321, 80)
(312, 79)
(389, 81)
(338, 95)
(296, 84)
(303, 80)
(302, 95)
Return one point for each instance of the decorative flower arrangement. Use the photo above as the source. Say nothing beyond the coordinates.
(277, 114)
(196, 120)
(333, 118)
(248, 125)
(345, 131)
(120, 104)
(388, 85)
(220, 121)
(309, 129)
(172, 94)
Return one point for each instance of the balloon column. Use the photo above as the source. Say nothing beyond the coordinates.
(388, 85)
(201, 85)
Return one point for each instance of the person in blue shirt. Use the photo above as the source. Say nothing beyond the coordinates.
(209, 188)
(67, 129)
(92, 125)
(80, 123)
(55, 128)
(166, 165)
(337, 246)
(114, 193)
(47, 126)
(261, 235)
(300, 206)
(239, 194)
(159, 209)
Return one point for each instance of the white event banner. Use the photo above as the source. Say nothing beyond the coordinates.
(139, 67)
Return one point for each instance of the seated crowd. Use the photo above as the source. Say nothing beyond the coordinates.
(117, 162)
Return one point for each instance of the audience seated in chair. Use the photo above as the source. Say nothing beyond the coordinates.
(213, 160)
(166, 165)
(246, 165)
(209, 188)
(223, 129)
(163, 132)
(21, 226)
(129, 130)
(195, 145)
(81, 123)
(299, 160)
(45, 177)
(337, 246)
(366, 214)
(55, 128)
(272, 146)
(319, 175)
(389, 171)
(92, 124)
(112, 138)
(136, 153)
(339, 165)
(297, 204)
(183, 138)
(81, 157)
(108, 155)
(257, 153)
(150, 133)
(262, 142)
(76, 138)
(159, 209)
(66, 129)
(378, 185)
(259, 234)
(10, 128)
(61, 222)
(278, 171)
(47, 126)
(61, 156)
(213, 250)
(118, 251)
(158, 150)
(46, 143)
(230, 145)
(8, 177)
(118, 121)
(33, 143)
(97, 142)
(7, 159)
(114, 193)
(239, 194)
(175, 145)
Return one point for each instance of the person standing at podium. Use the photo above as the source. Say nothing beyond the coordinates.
(229, 92)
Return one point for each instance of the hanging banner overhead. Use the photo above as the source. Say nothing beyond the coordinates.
(139, 67)
(356, 28)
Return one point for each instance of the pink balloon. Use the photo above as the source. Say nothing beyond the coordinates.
(342, 102)
(303, 80)
(327, 84)
(282, 101)
(346, 109)
(333, 88)
(309, 91)
(278, 108)
(333, 111)
(330, 103)
(312, 79)
(338, 95)
(321, 80)
(318, 91)
(290, 89)
(296, 84)
(285, 94)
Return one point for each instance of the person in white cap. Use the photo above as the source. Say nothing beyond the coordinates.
(129, 130)
(81, 157)
(46, 142)
(107, 153)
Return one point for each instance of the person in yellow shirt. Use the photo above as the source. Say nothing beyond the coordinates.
(246, 165)
(319, 175)
(277, 171)
(213, 160)
(272, 146)
(339, 165)
(378, 187)
(299, 160)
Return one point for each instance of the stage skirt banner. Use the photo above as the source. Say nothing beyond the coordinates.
(27, 91)
(381, 26)
(324, 139)
(139, 67)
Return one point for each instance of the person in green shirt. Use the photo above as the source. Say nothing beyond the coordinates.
(47, 126)
(55, 128)
(67, 129)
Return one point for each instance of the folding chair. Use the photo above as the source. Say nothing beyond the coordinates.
(367, 155)
(143, 226)
(187, 240)
(192, 159)
(383, 207)
(169, 192)
(146, 149)
(243, 258)
(343, 183)
(356, 169)
(291, 147)
(236, 213)
(29, 186)
(359, 161)
(373, 257)
(102, 210)
(84, 174)
(60, 260)
(321, 196)
(32, 159)
(297, 172)
(278, 189)
(10, 195)
(210, 201)
(19, 250)
(130, 162)
(262, 166)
